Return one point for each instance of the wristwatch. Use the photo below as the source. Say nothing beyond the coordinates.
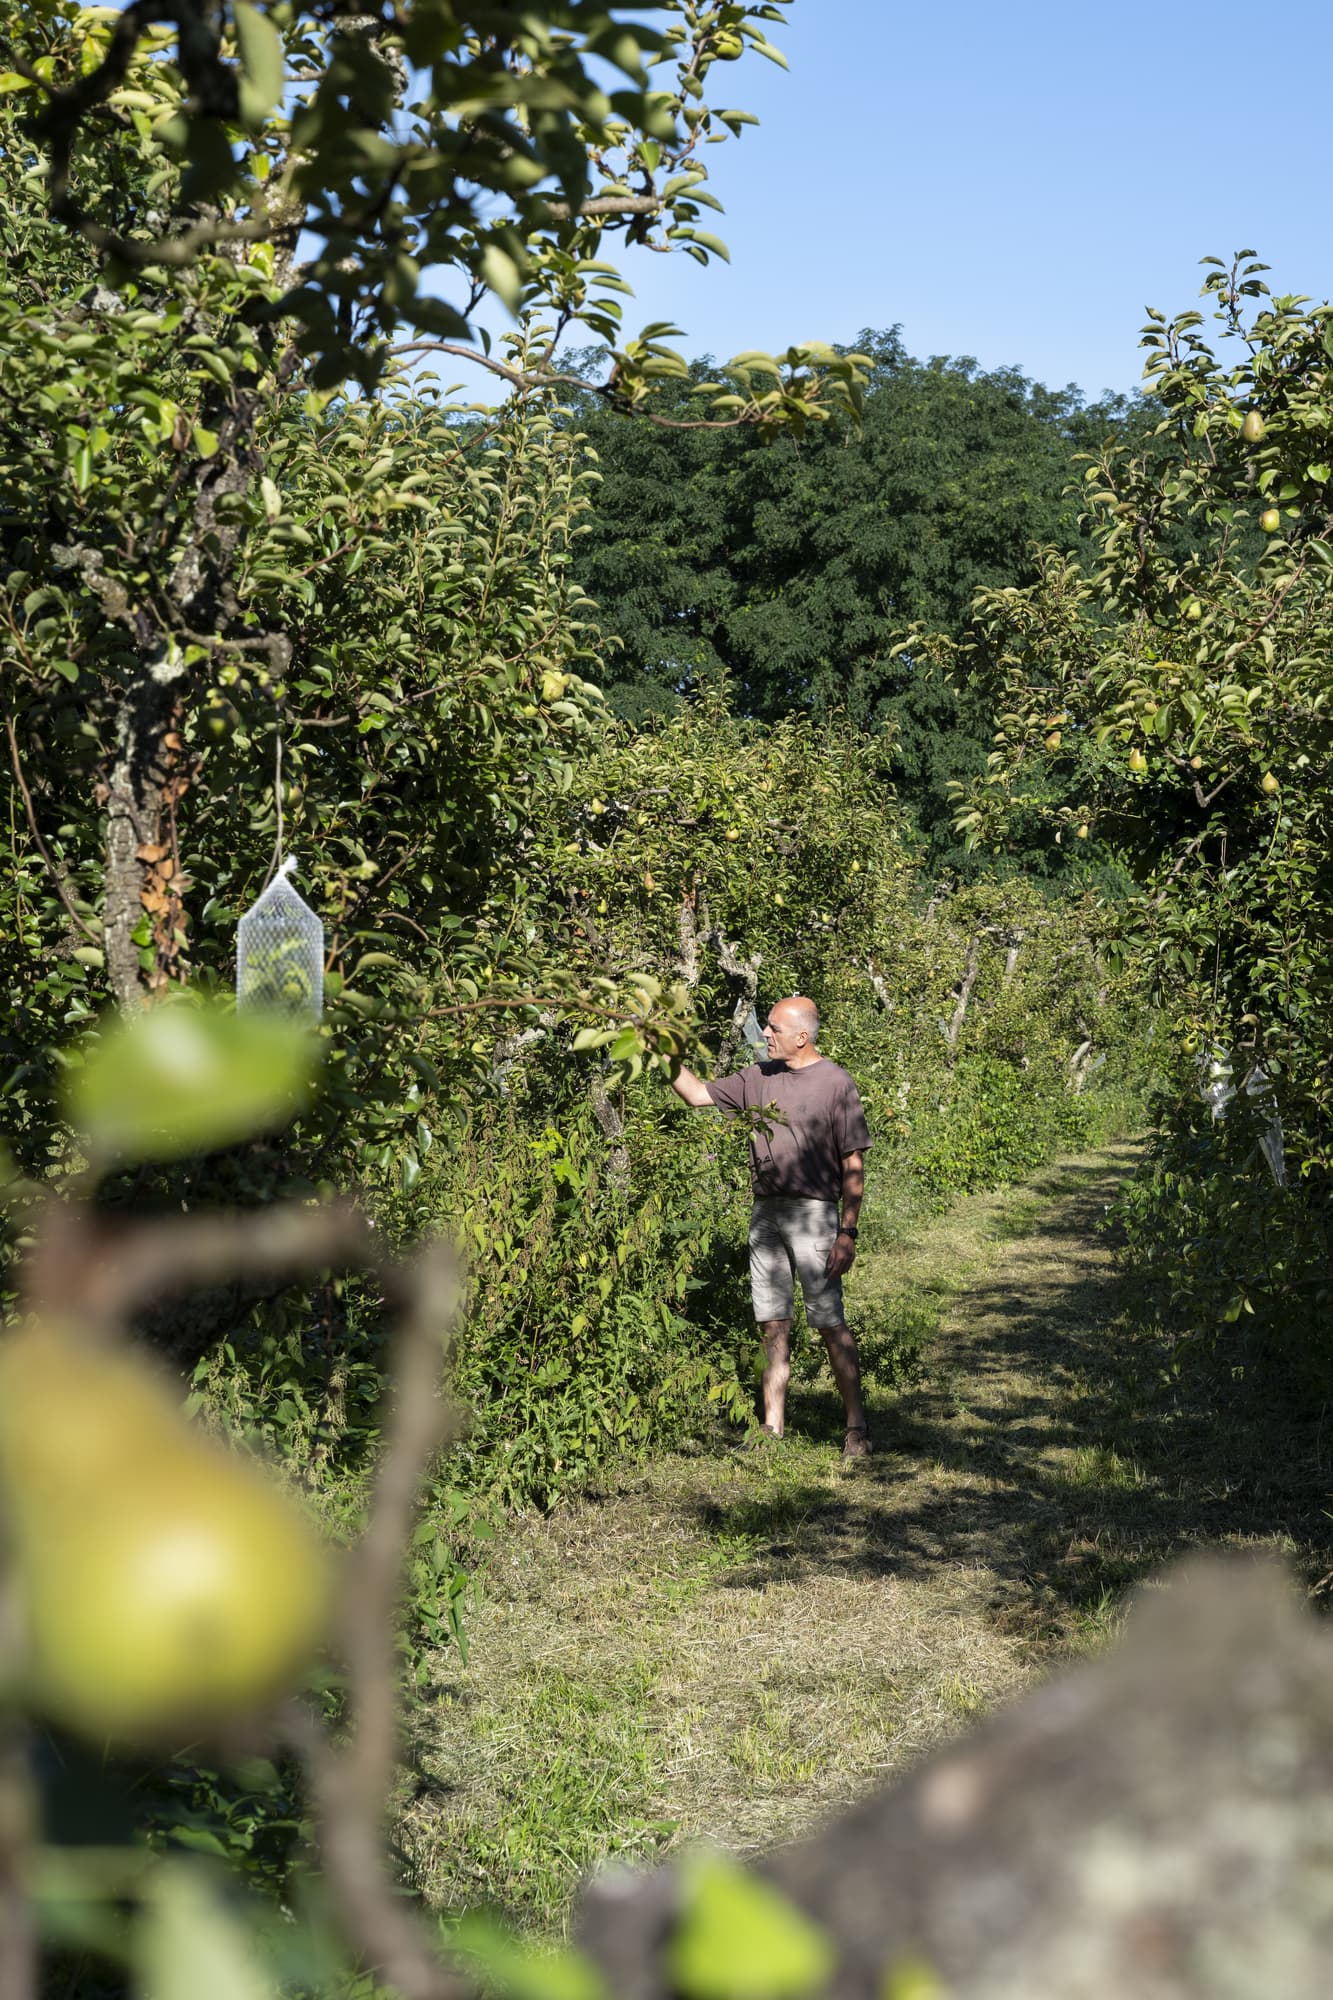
(848, 1232)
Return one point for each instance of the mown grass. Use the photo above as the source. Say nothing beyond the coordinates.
(734, 1644)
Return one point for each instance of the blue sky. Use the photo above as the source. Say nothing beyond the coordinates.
(1013, 182)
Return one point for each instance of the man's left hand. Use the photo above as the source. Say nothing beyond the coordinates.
(841, 1257)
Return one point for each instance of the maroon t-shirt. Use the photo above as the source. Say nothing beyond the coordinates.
(802, 1123)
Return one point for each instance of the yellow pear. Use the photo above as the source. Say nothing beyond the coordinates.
(1252, 429)
(1268, 783)
(164, 1584)
(1270, 520)
(1137, 761)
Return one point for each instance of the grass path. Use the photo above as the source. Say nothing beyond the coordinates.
(733, 1644)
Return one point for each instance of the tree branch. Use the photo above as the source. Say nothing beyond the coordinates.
(58, 881)
(351, 1784)
(97, 1270)
(971, 971)
(606, 204)
(529, 381)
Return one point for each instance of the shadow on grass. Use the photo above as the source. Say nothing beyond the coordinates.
(1060, 1449)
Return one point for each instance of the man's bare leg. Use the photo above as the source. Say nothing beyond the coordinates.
(846, 1365)
(777, 1372)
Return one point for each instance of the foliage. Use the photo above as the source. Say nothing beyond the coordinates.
(433, 159)
(1184, 699)
(792, 571)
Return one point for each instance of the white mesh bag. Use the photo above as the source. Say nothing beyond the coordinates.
(280, 952)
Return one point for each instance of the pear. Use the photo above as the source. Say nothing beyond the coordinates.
(1253, 428)
(164, 1584)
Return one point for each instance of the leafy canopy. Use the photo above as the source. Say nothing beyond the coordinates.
(393, 166)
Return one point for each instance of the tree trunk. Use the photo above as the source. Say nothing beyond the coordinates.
(1015, 945)
(134, 817)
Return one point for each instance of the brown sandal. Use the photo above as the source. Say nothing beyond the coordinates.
(857, 1443)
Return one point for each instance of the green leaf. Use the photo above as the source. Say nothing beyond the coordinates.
(261, 63)
(520, 1974)
(502, 275)
(189, 1946)
(591, 1038)
(713, 243)
(179, 1079)
(740, 1940)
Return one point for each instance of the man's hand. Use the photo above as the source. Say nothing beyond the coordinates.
(843, 1254)
(841, 1257)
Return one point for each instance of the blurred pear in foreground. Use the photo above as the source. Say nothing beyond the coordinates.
(165, 1585)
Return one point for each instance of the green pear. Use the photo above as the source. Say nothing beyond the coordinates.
(164, 1584)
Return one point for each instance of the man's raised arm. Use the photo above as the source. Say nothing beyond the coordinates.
(692, 1088)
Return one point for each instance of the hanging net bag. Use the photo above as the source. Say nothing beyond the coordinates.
(280, 952)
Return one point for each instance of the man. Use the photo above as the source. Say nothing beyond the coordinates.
(807, 1145)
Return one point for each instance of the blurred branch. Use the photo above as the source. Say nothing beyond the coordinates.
(101, 1269)
(98, 1270)
(351, 1782)
(18, 1941)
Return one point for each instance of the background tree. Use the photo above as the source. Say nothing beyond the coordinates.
(792, 571)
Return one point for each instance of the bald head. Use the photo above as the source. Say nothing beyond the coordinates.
(792, 1031)
(798, 1012)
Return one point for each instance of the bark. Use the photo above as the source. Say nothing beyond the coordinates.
(687, 930)
(971, 973)
(612, 1127)
(743, 979)
(134, 806)
(198, 596)
(880, 989)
